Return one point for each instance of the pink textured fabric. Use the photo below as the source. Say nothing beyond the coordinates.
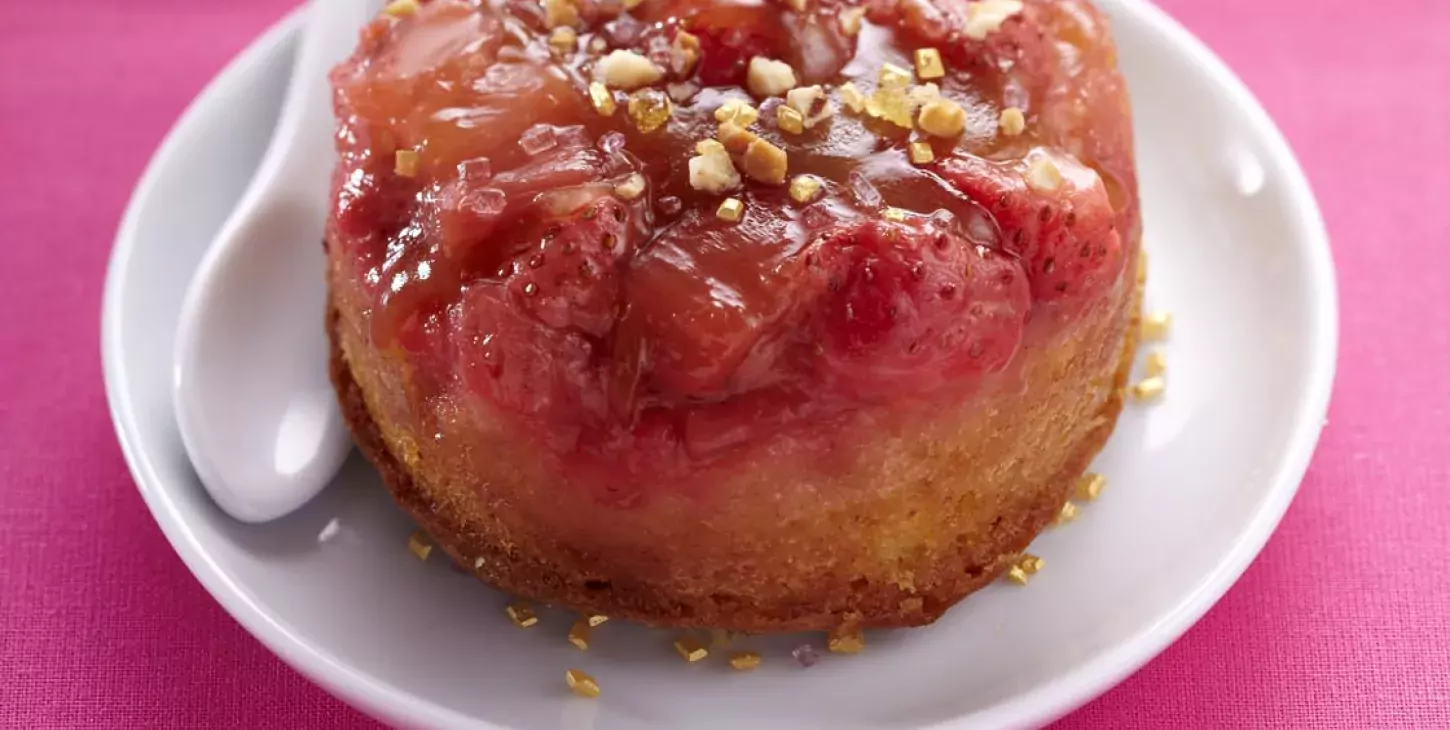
(1343, 622)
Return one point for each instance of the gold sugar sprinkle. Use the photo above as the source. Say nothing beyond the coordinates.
(1067, 514)
(852, 97)
(731, 209)
(420, 544)
(851, 20)
(582, 684)
(1017, 575)
(650, 109)
(521, 614)
(1089, 486)
(690, 648)
(738, 112)
(579, 634)
(594, 619)
(789, 120)
(896, 215)
(632, 4)
(401, 8)
(1142, 267)
(1156, 364)
(1156, 325)
(846, 640)
(744, 661)
(405, 163)
(804, 188)
(921, 153)
(892, 76)
(602, 99)
(1149, 388)
(1012, 122)
(797, 5)
(929, 64)
(1030, 564)
(563, 39)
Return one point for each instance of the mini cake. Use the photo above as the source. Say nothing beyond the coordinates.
(742, 314)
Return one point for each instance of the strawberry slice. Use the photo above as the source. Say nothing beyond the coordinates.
(906, 307)
(571, 279)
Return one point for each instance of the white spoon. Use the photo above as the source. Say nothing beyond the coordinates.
(256, 411)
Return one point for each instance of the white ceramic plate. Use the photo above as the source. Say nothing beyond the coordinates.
(1239, 255)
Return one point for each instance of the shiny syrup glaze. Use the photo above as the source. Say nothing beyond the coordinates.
(649, 334)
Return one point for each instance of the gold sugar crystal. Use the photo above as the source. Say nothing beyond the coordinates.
(690, 648)
(650, 109)
(846, 640)
(595, 619)
(929, 64)
(731, 209)
(737, 111)
(852, 97)
(420, 544)
(521, 614)
(1149, 389)
(921, 153)
(579, 634)
(789, 120)
(1156, 325)
(804, 188)
(582, 684)
(744, 661)
(405, 163)
(1067, 514)
(1089, 486)
(602, 98)
(1156, 364)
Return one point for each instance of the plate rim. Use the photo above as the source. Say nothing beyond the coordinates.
(1037, 706)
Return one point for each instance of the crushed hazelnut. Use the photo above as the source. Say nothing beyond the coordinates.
(895, 215)
(420, 544)
(924, 94)
(987, 16)
(731, 209)
(563, 39)
(738, 111)
(631, 187)
(942, 118)
(892, 76)
(846, 640)
(627, 70)
(804, 188)
(595, 619)
(852, 97)
(631, 4)
(851, 20)
(1090, 486)
(561, 12)
(921, 153)
(1012, 122)
(650, 109)
(764, 162)
(400, 8)
(405, 163)
(602, 99)
(1042, 174)
(684, 52)
(711, 169)
(813, 104)
(892, 105)
(1030, 564)
(1067, 514)
(579, 634)
(929, 64)
(768, 77)
(1156, 325)
(1149, 389)
(521, 614)
(744, 661)
(1156, 364)
(736, 139)
(1017, 575)
(582, 684)
(789, 120)
(690, 648)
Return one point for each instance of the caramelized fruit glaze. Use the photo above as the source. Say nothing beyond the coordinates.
(648, 334)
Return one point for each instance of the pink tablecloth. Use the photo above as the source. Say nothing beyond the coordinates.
(1343, 622)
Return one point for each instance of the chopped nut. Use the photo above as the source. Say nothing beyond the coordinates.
(579, 634)
(846, 640)
(650, 109)
(1156, 325)
(712, 170)
(852, 97)
(563, 39)
(789, 120)
(632, 4)
(892, 76)
(582, 684)
(1011, 122)
(602, 99)
(892, 105)
(631, 187)
(921, 153)
(851, 20)
(684, 52)
(400, 8)
(730, 210)
(405, 163)
(521, 614)
(797, 5)
(767, 77)
(627, 70)
(737, 111)
(924, 94)
(561, 12)
(736, 139)
(744, 661)
(1156, 364)
(929, 64)
(1067, 514)
(764, 162)
(942, 118)
(804, 188)
(1042, 174)
(1030, 564)
(1017, 575)
(987, 16)
(1089, 486)
(595, 619)
(1149, 388)
(690, 648)
(812, 103)
(420, 544)
(895, 215)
